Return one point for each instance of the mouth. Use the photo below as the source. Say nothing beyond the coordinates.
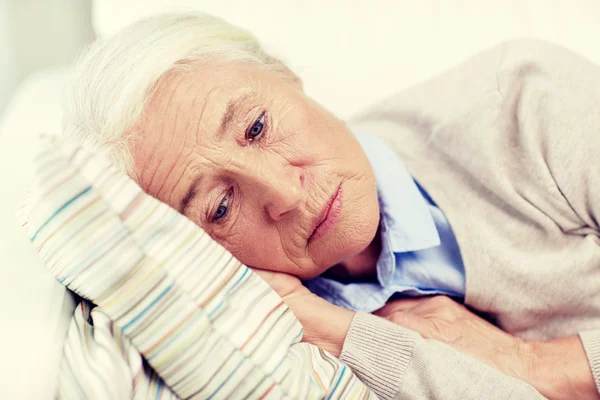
(329, 215)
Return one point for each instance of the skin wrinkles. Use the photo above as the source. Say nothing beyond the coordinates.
(200, 118)
(189, 197)
(164, 123)
(230, 112)
(189, 121)
(187, 169)
(227, 118)
(177, 119)
(274, 187)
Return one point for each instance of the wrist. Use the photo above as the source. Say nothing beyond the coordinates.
(334, 324)
(325, 325)
(559, 369)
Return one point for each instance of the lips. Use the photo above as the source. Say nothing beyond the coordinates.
(329, 215)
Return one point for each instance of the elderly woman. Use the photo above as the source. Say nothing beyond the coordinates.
(480, 185)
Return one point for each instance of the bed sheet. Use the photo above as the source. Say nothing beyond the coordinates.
(34, 308)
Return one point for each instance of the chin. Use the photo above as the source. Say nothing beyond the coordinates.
(348, 241)
(364, 227)
(354, 233)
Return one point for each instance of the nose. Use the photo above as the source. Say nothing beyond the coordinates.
(282, 190)
(284, 199)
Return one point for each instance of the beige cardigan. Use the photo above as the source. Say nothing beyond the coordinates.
(508, 146)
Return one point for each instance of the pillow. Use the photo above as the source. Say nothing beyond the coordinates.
(206, 324)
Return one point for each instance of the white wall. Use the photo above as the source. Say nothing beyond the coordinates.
(38, 34)
(351, 53)
(8, 65)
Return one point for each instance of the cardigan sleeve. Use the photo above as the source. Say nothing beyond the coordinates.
(397, 363)
(556, 97)
(591, 344)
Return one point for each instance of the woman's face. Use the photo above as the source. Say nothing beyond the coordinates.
(268, 173)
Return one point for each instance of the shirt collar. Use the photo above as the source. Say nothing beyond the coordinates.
(406, 223)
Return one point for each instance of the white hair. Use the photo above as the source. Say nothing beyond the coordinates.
(115, 78)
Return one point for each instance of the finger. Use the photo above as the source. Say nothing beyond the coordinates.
(284, 284)
(266, 275)
(274, 280)
(399, 305)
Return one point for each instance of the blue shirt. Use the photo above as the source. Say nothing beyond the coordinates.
(419, 254)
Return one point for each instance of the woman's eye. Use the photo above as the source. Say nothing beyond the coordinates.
(256, 129)
(222, 209)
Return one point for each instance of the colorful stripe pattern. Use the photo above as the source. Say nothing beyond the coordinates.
(203, 322)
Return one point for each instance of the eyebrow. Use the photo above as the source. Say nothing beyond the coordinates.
(189, 196)
(232, 109)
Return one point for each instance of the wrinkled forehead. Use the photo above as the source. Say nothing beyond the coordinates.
(190, 109)
(199, 91)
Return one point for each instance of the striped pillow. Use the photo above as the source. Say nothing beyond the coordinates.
(205, 323)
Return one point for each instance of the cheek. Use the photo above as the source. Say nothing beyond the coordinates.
(252, 241)
(300, 133)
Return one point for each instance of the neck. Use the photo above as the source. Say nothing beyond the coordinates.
(358, 267)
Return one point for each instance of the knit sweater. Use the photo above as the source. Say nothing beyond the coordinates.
(397, 363)
(507, 145)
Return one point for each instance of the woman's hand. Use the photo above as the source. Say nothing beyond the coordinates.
(558, 369)
(325, 325)
(447, 321)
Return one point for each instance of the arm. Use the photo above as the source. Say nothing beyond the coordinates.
(558, 368)
(403, 365)
(393, 361)
(556, 96)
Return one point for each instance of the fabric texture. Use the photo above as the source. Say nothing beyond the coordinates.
(591, 343)
(419, 253)
(379, 352)
(177, 315)
(399, 364)
(507, 146)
